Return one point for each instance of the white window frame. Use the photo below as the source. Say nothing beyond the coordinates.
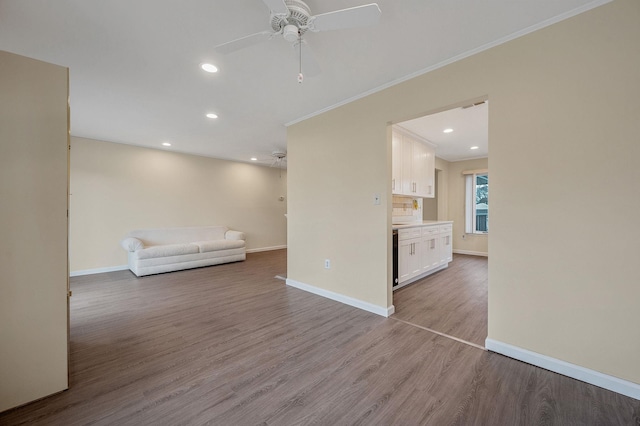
(470, 200)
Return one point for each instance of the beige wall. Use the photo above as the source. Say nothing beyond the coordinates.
(341, 161)
(471, 243)
(564, 141)
(33, 229)
(117, 188)
(442, 189)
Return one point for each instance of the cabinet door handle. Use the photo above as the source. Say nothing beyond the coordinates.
(393, 184)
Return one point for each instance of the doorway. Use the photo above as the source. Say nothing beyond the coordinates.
(453, 301)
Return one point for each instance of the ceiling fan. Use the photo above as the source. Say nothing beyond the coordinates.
(292, 18)
(279, 159)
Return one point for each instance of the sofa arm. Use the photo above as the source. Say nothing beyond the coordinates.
(234, 235)
(131, 244)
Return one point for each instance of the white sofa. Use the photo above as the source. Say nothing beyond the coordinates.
(154, 251)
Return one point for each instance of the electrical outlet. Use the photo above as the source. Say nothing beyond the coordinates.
(327, 264)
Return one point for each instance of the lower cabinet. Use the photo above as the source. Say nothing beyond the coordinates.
(409, 262)
(423, 249)
(409, 250)
(431, 244)
(446, 248)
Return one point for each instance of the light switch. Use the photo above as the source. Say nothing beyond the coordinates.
(376, 199)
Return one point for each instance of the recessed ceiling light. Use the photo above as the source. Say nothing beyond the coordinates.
(447, 130)
(209, 67)
(166, 144)
(474, 147)
(254, 159)
(212, 115)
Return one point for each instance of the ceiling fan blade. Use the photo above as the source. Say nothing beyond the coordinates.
(277, 6)
(310, 66)
(359, 16)
(241, 43)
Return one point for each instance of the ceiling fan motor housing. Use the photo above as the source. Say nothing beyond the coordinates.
(290, 33)
(295, 24)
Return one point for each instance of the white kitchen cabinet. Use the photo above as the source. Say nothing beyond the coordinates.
(430, 248)
(422, 250)
(407, 181)
(419, 163)
(409, 253)
(446, 248)
(415, 265)
(413, 166)
(405, 249)
(396, 162)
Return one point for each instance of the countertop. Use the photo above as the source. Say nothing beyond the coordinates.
(424, 222)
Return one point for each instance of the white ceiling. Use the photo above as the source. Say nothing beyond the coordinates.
(135, 76)
(470, 125)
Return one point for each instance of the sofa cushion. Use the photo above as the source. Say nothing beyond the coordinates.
(167, 250)
(207, 246)
(184, 235)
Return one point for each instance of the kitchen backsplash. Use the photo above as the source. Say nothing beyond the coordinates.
(406, 209)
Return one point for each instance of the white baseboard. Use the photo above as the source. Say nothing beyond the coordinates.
(256, 250)
(356, 303)
(81, 272)
(472, 253)
(577, 372)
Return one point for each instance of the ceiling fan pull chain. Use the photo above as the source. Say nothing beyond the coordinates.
(300, 76)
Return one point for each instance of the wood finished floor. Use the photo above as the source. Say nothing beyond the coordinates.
(452, 301)
(232, 345)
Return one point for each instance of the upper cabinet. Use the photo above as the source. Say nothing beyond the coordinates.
(396, 163)
(413, 166)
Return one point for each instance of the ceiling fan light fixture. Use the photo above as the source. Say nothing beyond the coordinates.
(290, 33)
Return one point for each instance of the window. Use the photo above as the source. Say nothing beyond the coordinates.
(477, 202)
